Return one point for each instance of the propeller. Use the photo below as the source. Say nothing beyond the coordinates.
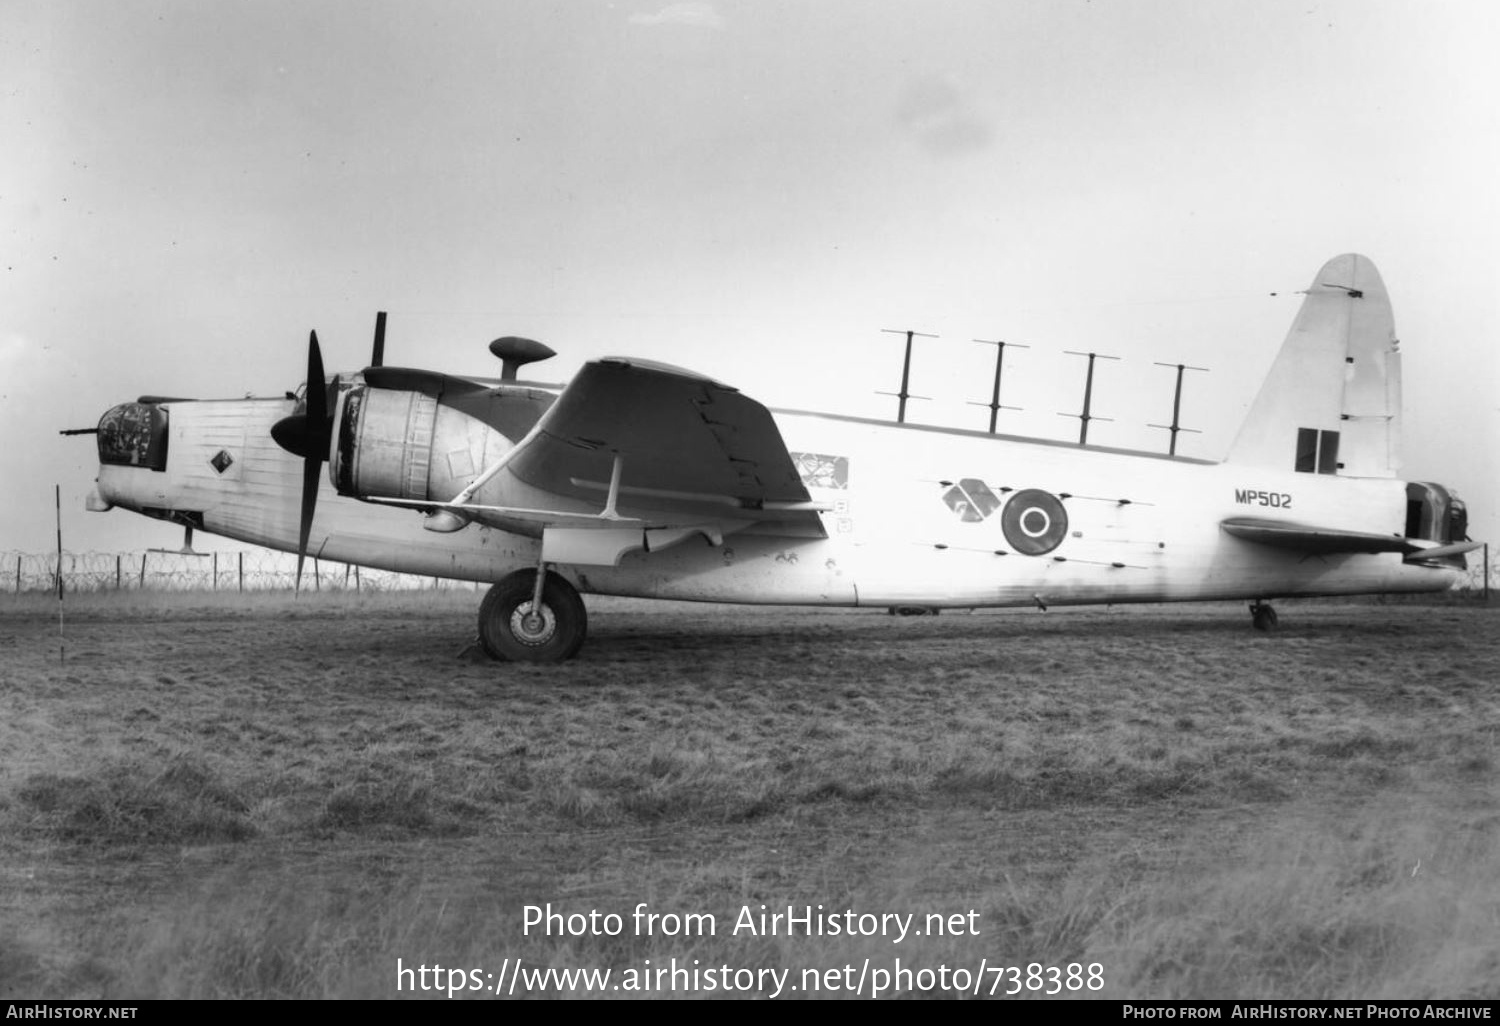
(308, 434)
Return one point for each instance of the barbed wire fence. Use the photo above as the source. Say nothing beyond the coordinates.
(262, 570)
(1484, 572)
(259, 570)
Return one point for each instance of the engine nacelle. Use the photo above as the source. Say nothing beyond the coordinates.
(400, 444)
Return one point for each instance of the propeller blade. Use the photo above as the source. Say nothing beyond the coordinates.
(377, 355)
(311, 470)
(317, 394)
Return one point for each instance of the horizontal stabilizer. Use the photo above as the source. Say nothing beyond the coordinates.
(1317, 541)
(1443, 551)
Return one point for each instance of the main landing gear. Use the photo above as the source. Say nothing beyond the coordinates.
(532, 617)
(1262, 616)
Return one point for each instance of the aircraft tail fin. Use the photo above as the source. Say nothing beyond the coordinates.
(1332, 401)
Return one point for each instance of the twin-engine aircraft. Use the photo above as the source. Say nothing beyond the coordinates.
(646, 480)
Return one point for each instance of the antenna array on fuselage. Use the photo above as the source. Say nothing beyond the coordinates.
(1085, 416)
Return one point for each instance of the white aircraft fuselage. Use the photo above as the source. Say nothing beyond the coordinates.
(901, 528)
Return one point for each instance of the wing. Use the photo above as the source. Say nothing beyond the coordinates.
(688, 447)
(648, 454)
(678, 432)
(1327, 541)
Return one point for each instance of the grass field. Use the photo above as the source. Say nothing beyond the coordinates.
(205, 796)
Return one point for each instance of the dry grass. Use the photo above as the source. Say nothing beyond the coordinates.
(210, 796)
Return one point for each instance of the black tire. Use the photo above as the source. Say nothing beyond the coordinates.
(913, 611)
(507, 632)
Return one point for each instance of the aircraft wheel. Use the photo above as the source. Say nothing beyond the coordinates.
(509, 629)
(1263, 616)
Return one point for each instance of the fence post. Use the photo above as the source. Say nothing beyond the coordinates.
(117, 572)
(317, 578)
(356, 577)
(242, 572)
(143, 571)
(216, 571)
(18, 575)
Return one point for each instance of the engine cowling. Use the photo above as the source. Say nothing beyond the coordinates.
(402, 444)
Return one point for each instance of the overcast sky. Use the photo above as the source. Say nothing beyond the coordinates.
(750, 188)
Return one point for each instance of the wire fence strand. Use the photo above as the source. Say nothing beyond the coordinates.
(157, 570)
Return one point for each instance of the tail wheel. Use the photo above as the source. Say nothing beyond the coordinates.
(509, 628)
(1262, 616)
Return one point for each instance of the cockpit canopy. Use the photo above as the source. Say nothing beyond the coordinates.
(134, 435)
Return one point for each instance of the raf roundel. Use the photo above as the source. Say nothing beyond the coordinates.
(1034, 522)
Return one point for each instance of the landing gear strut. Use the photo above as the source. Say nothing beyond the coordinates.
(1262, 616)
(533, 617)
